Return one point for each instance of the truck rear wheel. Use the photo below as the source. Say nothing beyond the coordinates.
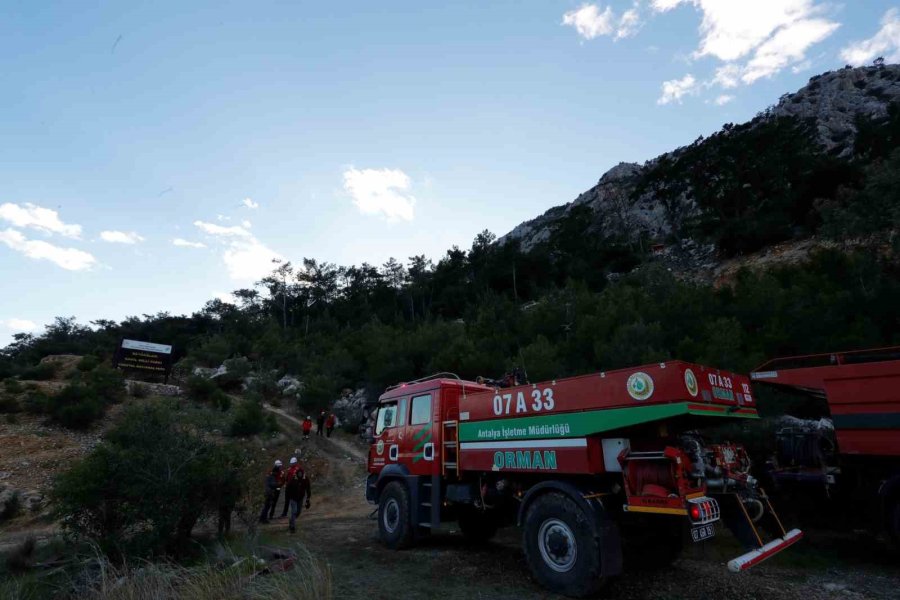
(477, 526)
(394, 525)
(562, 546)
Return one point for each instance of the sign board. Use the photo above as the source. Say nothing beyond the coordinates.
(144, 357)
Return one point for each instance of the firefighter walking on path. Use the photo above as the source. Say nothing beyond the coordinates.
(273, 487)
(307, 427)
(293, 466)
(297, 489)
(329, 424)
(320, 422)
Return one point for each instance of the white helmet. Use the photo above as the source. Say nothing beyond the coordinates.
(277, 463)
(293, 460)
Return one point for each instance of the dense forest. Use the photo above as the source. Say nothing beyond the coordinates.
(579, 301)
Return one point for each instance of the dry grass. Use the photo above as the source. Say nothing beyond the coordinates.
(231, 579)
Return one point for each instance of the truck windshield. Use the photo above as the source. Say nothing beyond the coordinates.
(387, 417)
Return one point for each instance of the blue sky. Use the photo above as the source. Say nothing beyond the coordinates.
(134, 133)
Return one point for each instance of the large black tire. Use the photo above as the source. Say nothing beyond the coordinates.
(394, 524)
(562, 546)
(477, 526)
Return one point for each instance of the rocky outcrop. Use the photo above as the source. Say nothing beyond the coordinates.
(352, 407)
(834, 100)
(838, 98)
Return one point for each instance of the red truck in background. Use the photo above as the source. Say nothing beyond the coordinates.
(588, 466)
(862, 392)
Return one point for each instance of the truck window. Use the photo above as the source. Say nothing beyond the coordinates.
(401, 413)
(387, 416)
(421, 410)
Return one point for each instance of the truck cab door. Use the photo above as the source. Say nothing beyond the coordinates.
(389, 432)
(420, 445)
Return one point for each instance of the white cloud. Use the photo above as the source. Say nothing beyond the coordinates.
(186, 244)
(249, 203)
(245, 257)
(19, 325)
(886, 43)
(800, 67)
(723, 100)
(630, 23)
(248, 259)
(787, 46)
(589, 22)
(246, 224)
(70, 259)
(675, 89)
(120, 237)
(213, 229)
(37, 217)
(727, 76)
(757, 38)
(381, 191)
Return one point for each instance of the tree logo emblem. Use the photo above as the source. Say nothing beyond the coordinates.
(640, 386)
(690, 381)
(379, 447)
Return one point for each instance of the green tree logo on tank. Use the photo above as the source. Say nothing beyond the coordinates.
(690, 382)
(640, 386)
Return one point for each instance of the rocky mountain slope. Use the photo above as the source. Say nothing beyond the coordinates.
(834, 101)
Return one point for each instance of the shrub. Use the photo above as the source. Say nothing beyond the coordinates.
(264, 385)
(13, 386)
(12, 419)
(22, 556)
(41, 372)
(88, 363)
(201, 389)
(236, 369)
(76, 407)
(151, 509)
(249, 419)
(9, 404)
(107, 383)
(35, 402)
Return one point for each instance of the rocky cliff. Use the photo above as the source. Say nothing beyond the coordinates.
(834, 101)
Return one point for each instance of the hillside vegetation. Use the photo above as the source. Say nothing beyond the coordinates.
(584, 297)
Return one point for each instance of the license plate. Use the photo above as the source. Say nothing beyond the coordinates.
(703, 532)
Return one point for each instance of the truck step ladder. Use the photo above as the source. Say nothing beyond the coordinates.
(432, 504)
(450, 447)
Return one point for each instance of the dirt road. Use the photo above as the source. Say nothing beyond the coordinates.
(338, 529)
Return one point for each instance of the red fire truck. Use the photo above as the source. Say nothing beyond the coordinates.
(590, 467)
(862, 389)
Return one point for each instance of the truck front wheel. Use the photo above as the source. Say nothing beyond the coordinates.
(562, 546)
(394, 525)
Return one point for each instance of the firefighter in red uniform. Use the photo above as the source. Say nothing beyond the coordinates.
(293, 466)
(307, 427)
(329, 424)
